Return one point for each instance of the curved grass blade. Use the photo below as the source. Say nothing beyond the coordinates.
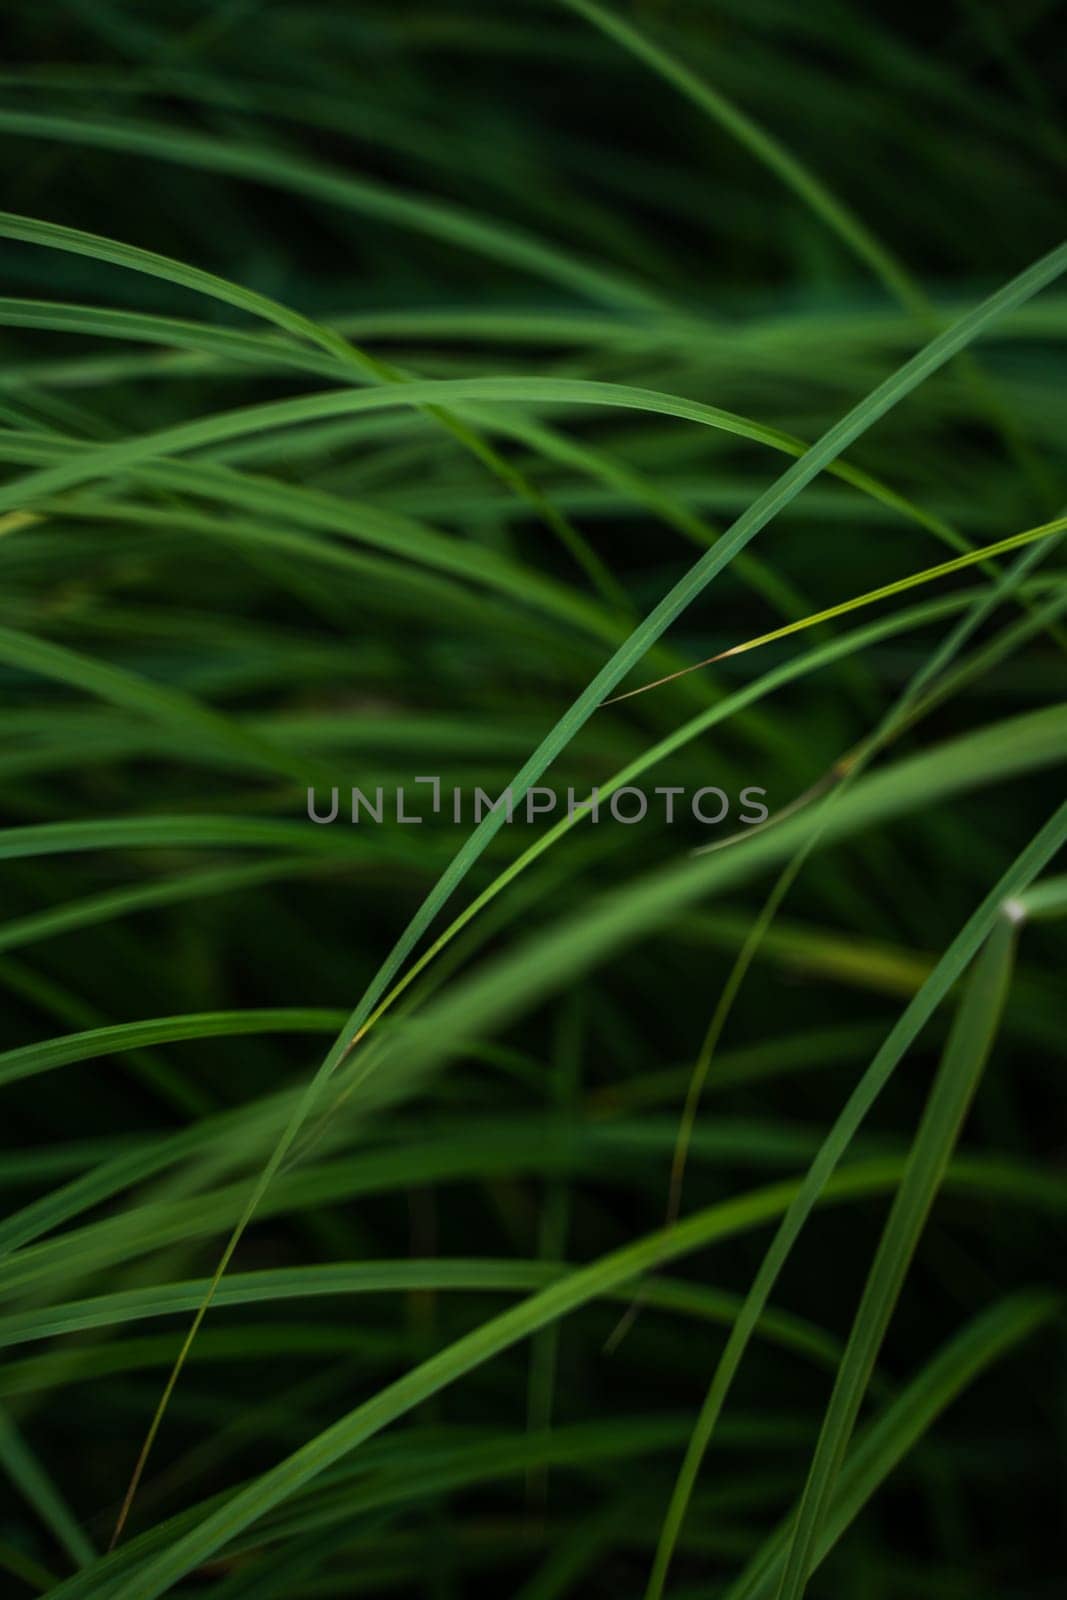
(952, 964)
(800, 666)
(889, 1438)
(114, 903)
(966, 1054)
(314, 508)
(153, 1575)
(891, 724)
(440, 1275)
(106, 460)
(944, 569)
(30, 1478)
(836, 440)
(351, 359)
(164, 704)
(606, 927)
(764, 147)
(201, 833)
(813, 192)
(96, 247)
(48, 1054)
(418, 213)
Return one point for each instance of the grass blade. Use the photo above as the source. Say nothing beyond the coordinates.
(968, 1049)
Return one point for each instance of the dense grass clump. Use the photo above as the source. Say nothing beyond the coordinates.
(654, 414)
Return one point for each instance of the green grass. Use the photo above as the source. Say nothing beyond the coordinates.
(551, 1207)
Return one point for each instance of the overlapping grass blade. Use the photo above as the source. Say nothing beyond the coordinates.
(965, 1057)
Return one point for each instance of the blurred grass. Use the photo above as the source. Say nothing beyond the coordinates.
(384, 388)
